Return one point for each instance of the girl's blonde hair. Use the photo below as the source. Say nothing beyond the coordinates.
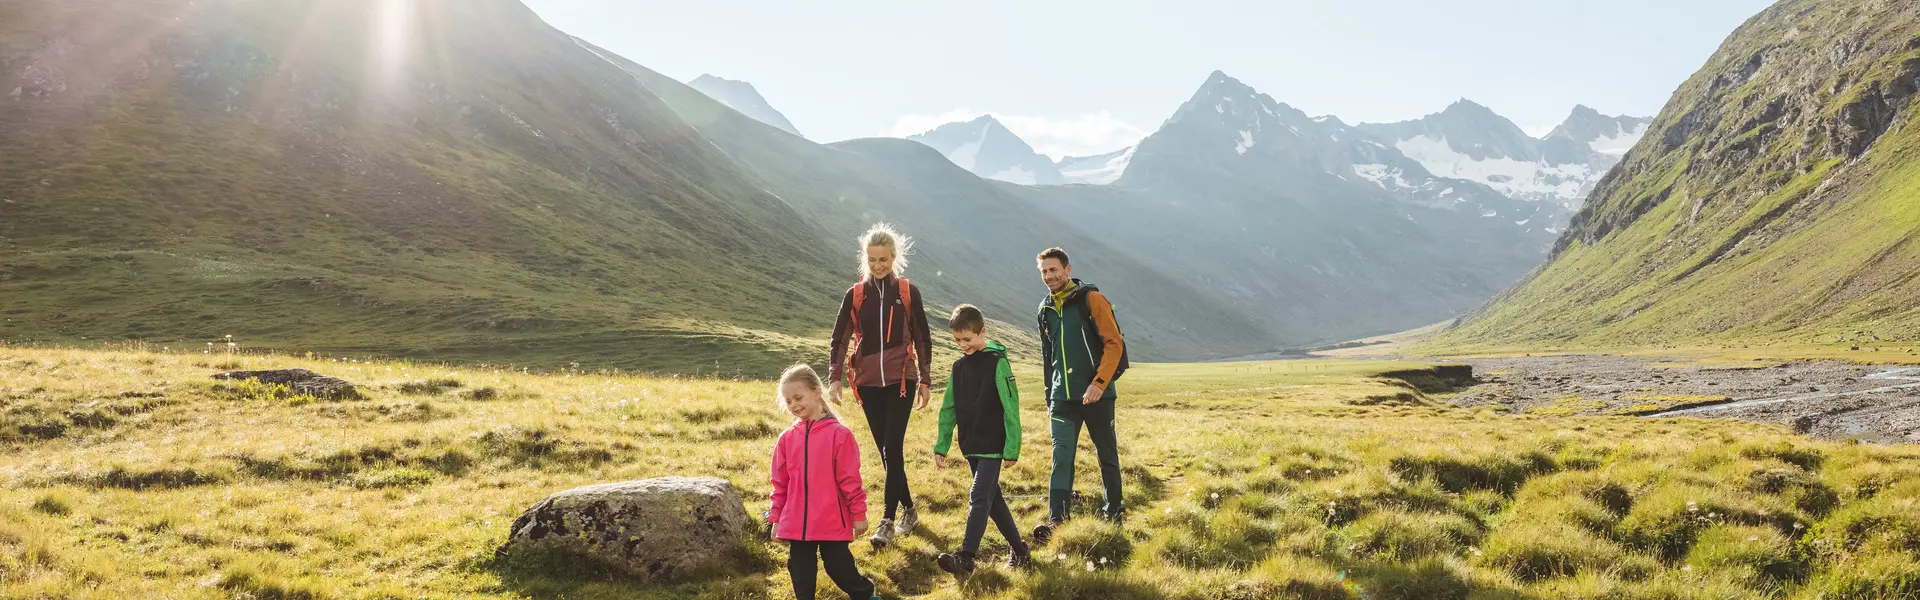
(883, 235)
(805, 374)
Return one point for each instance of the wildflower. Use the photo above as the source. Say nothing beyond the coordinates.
(1089, 566)
(1063, 556)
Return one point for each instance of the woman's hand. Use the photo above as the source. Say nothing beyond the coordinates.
(926, 392)
(859, 528)
(833, 393)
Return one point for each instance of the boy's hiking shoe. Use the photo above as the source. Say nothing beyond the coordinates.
(1117, 518)
(908, 519)
(1043, 533)
(1021, 559)
(957, 564)
(882, 535)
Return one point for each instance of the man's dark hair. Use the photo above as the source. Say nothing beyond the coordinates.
(967, 318)
(1054, 253)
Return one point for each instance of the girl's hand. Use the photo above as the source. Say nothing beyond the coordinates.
(926, 391)
(859, 528)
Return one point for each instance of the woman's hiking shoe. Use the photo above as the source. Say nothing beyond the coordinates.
(908, 519)
(882, 535)
(957, 564)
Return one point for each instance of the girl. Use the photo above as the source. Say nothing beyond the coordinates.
(819, 505)
(891, 356)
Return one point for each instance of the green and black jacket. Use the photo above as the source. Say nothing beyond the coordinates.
(984, 403)
(1080, 342)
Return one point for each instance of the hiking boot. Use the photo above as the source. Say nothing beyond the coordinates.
(1117, 517)
(957, 564)
(908, 519)
(1043, 533)
(882, 535)
(1021, 559)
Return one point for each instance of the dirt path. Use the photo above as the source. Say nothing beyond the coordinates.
(1827, 399)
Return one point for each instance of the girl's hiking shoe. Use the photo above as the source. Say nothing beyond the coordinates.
(957, 564)
(908, 519)
(882, 535)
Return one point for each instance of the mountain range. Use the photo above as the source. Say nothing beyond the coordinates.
(742, 97)
(181, 170)
(1774, 199)
(1466, 142)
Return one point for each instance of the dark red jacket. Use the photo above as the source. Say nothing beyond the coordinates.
(888, 325)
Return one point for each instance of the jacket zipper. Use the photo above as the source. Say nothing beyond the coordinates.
(806, 481)
(885, 332)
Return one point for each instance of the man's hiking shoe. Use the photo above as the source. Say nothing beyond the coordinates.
(882, 535)
(957, 564)
(908, 519)
(1043, 533)
(1117, 518)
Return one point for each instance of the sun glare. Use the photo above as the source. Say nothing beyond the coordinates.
(392, 23)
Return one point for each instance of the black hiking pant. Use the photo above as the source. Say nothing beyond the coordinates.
(984, 503)
(839, 558)
(887, 411)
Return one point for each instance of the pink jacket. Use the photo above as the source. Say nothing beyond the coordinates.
(817, 493)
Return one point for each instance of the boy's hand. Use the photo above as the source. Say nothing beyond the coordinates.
(940, 461)
(859, 528)
(926, 391)
(1094, 391)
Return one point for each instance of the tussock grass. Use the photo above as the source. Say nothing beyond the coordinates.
(1274, 480)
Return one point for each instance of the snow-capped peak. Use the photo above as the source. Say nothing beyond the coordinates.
(740, 96)
(988, 149)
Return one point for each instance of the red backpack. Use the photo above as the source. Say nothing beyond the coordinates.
(859, 297)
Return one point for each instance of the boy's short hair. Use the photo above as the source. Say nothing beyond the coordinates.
(967, 318)
(1055, 253)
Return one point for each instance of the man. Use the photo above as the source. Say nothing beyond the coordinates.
(1082, 353)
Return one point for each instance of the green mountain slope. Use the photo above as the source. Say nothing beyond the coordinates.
(459, 181)
(976, 238)
(1776, 198)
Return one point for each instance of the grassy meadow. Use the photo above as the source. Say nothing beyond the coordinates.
(130, 473)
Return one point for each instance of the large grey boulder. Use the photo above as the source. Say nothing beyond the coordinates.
(655, 529)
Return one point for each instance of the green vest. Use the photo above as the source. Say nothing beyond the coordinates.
(1067, 342)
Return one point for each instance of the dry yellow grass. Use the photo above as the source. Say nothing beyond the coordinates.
(131, 474)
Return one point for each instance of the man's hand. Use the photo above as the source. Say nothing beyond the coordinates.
(926, 391)
(939, 461)
(859, 528)
(1094, 391)
(833, 393)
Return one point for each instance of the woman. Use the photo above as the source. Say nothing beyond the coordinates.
(888, 365)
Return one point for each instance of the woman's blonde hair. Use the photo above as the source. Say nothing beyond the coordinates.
(883, 235)
(805, 374)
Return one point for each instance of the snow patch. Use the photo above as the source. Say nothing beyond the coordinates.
(1246, 142)
(1524, 180)
(1098, 173)
(1618, 145)
(1380, 175)
(967, 154)
(1018, 174)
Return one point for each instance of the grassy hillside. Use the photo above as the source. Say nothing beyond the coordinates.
(475, 186)
(131, 474)
(976, 238)
(1775, 199)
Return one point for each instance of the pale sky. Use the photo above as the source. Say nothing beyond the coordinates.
(1090, 76)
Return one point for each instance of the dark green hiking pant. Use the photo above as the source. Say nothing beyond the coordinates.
(1098, 419)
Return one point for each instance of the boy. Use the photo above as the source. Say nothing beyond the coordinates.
(982, 401)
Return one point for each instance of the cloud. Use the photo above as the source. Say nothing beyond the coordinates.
(1076, 135)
